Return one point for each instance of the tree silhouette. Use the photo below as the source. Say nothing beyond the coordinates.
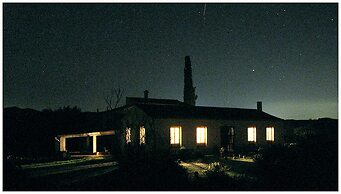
(189, 90)
(113, 98)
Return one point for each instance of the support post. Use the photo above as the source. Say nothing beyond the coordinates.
(62, 144)
(94, 144)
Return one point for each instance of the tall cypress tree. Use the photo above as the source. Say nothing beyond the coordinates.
(189, 90)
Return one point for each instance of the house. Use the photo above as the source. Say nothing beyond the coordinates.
(169, 125)
(165, 124)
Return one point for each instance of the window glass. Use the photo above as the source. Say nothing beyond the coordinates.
(175, 135)
(202, 135)
(128, 135)
(142, 135)
(270, 134)
(251, 134)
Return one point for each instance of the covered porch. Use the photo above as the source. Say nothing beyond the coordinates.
(97, 143)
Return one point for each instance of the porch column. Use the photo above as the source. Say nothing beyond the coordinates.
(62, 144)
(94, 144)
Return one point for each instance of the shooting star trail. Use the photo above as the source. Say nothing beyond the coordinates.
(204, 12)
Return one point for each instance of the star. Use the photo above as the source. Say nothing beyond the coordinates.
(44, 69)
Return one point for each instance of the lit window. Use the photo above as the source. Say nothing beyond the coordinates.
(175, 136)
(202, 136)
(270, 134)
(251, 134)
(142, 135)
(128, 135)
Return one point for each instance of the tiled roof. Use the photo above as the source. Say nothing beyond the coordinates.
(202, 112)
(133, 100)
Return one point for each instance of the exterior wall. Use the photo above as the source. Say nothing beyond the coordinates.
(134, 119)
(213, 131)
(158, 131)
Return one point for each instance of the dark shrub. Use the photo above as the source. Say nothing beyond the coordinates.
(306, 166)
(183, 154)
(147, 171)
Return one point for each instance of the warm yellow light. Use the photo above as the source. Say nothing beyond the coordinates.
(94, 144)
(94, 133)
(142, 135)
(202, 135)
(62, 143)
(128, 135)
(251, 134)
(175, 135)
(270, 134)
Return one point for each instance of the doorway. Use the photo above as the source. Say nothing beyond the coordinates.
(227, 136)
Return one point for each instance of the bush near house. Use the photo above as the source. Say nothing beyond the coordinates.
(151, 171)
(310, 165)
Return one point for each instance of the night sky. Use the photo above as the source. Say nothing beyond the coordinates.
(285, 55)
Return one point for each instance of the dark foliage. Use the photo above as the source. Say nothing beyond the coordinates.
(13, 176)
(141, 172)
(26, 133)
(217, 179)
(152, 172)
(310, 165)
(189, 90)
(65, 109)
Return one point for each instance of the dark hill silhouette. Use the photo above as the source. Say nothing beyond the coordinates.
(325, 127)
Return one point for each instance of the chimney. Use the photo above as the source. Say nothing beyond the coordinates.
(259, 105)
(146, 94)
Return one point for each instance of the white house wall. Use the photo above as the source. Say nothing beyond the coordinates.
(213, 131)
(137, 118)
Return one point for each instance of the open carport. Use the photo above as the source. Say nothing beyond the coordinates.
(86, 143)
